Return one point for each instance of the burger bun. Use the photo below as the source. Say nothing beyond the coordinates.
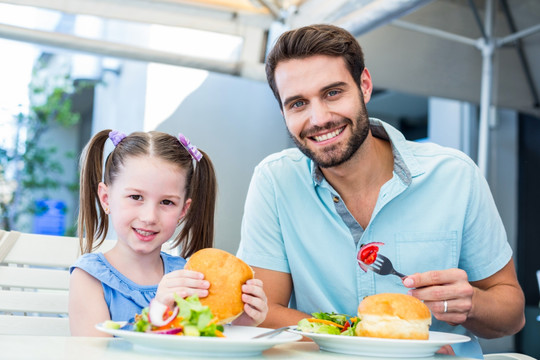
(394, 316)
(226, 274)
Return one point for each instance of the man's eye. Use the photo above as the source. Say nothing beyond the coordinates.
(297, 104)
(333, 92)
(136, 197)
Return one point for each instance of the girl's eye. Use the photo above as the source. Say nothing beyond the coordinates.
(136, 197)
(167, 202)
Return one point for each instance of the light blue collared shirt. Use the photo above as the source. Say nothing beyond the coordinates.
(436, 212)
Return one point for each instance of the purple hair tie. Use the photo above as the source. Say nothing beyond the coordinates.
(116, 137)
(192, 149)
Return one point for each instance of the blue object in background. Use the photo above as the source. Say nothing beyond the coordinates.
(50, 217)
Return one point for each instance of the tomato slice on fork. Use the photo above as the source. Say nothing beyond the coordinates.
(368, 254)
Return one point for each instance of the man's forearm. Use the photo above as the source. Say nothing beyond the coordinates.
(279, 315)
(496, 312)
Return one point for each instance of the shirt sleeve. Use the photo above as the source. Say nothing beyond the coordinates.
(261, 242)
(485, 245)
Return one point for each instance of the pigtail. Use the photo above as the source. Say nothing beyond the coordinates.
(198, 224)
(93, 221)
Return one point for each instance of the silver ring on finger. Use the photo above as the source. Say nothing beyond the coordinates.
(445, 304)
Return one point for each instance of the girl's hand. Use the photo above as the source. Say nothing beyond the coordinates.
(255, 307)
(182, 282)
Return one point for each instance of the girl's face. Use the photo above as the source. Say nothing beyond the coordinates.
(146, 201)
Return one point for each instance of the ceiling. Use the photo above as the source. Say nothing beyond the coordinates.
(423, 47)
(247, 6)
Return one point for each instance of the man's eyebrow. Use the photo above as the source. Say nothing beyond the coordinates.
(291, 99)
(333, 85)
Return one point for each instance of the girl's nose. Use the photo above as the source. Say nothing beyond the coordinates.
(148, 214)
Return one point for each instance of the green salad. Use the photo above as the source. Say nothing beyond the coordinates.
(189, 317)
(329, 323)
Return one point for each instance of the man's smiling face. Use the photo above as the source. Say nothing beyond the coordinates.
(323, 108)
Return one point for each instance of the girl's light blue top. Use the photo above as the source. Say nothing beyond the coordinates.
(123, 297)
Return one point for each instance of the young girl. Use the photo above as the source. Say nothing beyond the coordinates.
(152, 183)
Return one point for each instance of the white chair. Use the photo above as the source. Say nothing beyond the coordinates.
(34, 282)
(508, 356)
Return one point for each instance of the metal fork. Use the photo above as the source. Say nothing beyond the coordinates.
(272, 333)
(383, 266)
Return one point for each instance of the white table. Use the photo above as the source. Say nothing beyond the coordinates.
(18, 347)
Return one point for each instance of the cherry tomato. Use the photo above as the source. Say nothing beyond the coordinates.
(368, 252)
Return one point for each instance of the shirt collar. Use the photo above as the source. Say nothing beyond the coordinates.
(405, 164)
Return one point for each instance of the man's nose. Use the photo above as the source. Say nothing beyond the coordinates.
(319, 113)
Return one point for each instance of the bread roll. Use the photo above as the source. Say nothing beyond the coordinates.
(395, 316)
(226, 274)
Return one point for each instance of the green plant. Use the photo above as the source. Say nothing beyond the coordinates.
(34, 162)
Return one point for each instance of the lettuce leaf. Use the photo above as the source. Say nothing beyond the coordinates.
(340, 319)
(319, 328)
(307, 326)
(196, 318)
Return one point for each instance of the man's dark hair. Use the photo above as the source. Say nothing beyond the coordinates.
(321, 39)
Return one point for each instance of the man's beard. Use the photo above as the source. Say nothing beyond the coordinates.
(332, 155)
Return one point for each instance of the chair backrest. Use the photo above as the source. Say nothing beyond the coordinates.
(34, 282)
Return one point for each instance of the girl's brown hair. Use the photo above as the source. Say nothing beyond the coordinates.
(201, 186)
(320, 39)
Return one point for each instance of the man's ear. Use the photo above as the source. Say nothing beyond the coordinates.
(366, 86)
(103, 194)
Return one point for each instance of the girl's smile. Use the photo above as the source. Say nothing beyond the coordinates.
(145, 235)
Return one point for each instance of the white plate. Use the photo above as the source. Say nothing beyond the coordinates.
(237, 341)
(368, 346)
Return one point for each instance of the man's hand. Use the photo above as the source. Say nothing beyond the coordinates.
(472, 304)
(447, 293)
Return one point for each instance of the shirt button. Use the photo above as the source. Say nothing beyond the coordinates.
(336, 199)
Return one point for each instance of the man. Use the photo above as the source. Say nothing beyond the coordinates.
(355, 180)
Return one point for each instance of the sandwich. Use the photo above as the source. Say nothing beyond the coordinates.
(226, 274)
(395, 316)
